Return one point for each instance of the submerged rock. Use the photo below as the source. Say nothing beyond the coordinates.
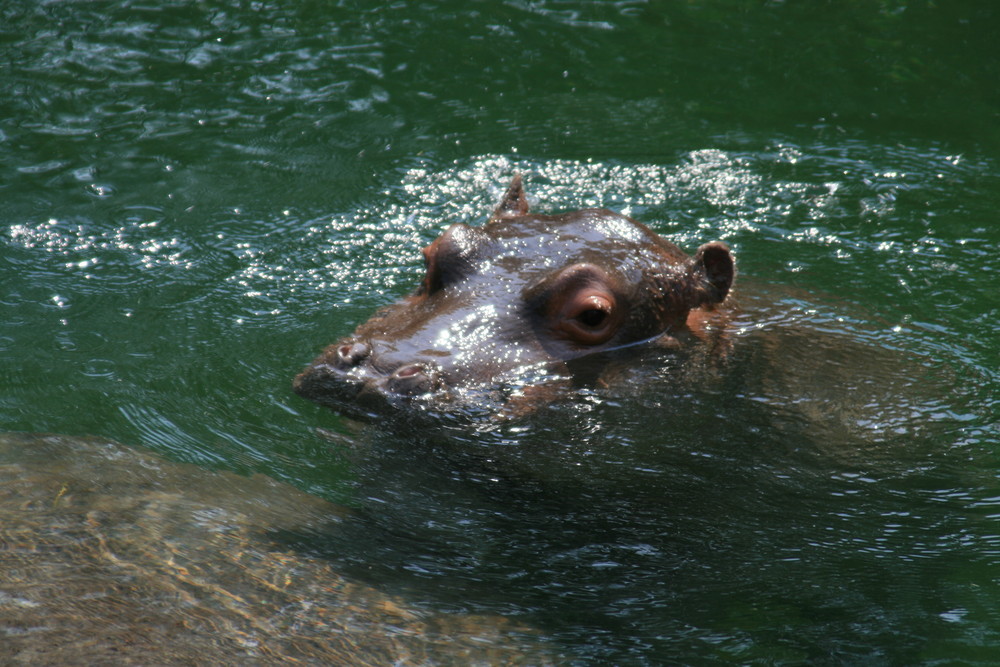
(111, 555)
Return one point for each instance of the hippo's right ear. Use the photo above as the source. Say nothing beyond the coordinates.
(513, 204)
(714, 269)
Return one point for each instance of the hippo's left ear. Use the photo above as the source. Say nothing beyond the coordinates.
(514, 202)
(713, 268)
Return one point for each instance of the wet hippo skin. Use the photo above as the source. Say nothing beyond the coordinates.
(512, 303)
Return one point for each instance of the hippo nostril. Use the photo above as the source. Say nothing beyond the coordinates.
(350, 354)
(409, 371)
(412, 379)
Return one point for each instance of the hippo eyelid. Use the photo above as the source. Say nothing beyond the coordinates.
(575, 276)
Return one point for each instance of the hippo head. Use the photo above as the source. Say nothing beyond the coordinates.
(511, 306)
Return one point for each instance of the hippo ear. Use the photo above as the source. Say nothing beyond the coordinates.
(714, 269)
(513, 204)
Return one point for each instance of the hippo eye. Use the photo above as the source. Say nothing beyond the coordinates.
(592, 317)
(589, 317)
(580, 305)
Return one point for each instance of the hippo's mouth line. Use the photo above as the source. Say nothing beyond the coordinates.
(364, 392)
(360, 386)
(367, 390)
(662, 339)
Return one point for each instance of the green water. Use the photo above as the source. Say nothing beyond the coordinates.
(195, 197)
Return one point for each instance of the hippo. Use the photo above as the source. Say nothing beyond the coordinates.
(511, 307)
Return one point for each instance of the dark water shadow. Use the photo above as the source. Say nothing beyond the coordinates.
(669, 514)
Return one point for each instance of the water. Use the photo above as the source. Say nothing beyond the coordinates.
(196, 197)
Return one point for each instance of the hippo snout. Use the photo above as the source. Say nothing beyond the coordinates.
(350, 373)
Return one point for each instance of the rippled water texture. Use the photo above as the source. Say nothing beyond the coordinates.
(196, 197)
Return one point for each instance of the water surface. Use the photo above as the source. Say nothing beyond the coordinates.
(196, 197)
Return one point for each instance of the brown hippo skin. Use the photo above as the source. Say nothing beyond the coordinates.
(505, 308)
